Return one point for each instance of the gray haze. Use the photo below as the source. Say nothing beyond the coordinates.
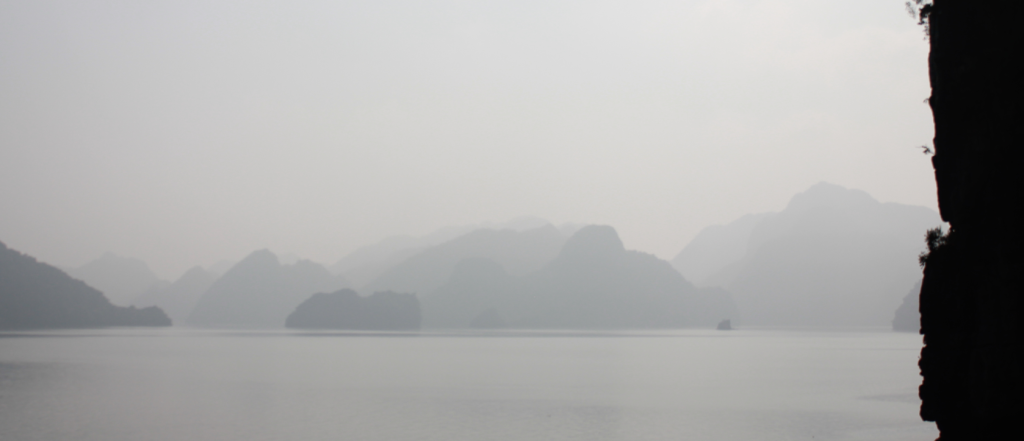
(179, 298)
(120, 279)
(260, 292)
(126, 385)
(185, 133)
(832, 257)
(518, 252)
(366, 263)
(716, 247)
(592, 283)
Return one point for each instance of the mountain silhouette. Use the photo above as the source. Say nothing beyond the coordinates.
(832, 257)
(121, 279)
(365, 264)
(345, 309)
(518, 252)
(475, 285)
(179, 298)
(260, 292)
(715, 248)
(593, 283)
(34, 295)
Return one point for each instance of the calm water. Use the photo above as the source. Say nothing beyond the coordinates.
(181, 384)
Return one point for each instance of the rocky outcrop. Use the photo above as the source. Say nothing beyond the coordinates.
(345, 309)
(34, 295)
(972, 302)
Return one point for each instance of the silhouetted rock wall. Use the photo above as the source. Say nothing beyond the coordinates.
(971, 297)
(34, 295)
(345, 309)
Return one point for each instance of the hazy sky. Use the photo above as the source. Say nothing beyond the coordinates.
(186, 132)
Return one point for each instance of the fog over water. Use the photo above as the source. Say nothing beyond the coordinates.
(462, 220)
(706, 385)
(185, 133)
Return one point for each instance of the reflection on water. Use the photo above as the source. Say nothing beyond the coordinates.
(178, 384)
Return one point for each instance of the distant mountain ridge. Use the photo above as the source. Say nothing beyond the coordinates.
(260, 292)
(593, 283)
(715, 248)
(178, 299)
(518, 252)
(832, 257)
(367, 263)
(121, 279)
(34, 295)
(345, 309)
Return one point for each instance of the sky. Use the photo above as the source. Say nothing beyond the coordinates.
(188, 132)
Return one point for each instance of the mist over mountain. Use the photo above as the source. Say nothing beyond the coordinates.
(35, 295)
(593, 283)
(345, 309)
(476, 285)
(218, 269)
(121, 279)
(365, 264)
(832, 257)
(908, 315)
(716, 247)
(518, 252)
(260, 292)
(178, 299)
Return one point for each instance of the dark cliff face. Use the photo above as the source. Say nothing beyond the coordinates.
(34, 295)
(971, 298)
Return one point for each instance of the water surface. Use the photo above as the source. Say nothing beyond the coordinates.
(182, 384)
